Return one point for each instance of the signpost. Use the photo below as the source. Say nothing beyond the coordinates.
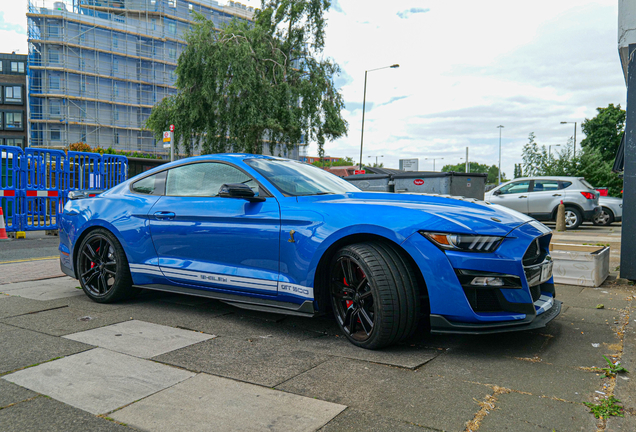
(409, 164)
(168, 138)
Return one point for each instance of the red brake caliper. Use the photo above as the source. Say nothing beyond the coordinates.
(92, 263)
(349, 303)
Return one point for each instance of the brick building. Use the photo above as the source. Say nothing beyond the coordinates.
(13, 112)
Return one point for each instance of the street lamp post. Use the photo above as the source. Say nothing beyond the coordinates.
(376, 159)
(550, 150)
(500, 127)
(364, 102)
(434, 159)
(574, 148)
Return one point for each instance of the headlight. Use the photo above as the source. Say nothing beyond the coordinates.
(464, 242)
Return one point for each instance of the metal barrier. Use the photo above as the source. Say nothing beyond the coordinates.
(34, 184)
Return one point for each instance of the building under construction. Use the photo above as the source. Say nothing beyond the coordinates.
(97, 67)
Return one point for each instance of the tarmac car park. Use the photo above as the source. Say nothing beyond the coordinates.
(277, 235)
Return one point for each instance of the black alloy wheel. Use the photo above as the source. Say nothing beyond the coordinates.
(374, 294)
(102, 268)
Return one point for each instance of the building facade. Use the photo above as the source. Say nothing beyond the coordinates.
(13, 111)
(97, 67)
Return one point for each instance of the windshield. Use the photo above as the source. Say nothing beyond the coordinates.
(297, 179)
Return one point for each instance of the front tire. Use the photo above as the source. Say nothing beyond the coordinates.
(103, 269)
(573, 218)
(374, 295)
(604, 218)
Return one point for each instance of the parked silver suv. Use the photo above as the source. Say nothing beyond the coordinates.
(539, 197)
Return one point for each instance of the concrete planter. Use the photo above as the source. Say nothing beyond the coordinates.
(580, 264)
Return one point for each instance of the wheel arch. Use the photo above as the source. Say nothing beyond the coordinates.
(82, 236)
(568, 204)
(321, 277)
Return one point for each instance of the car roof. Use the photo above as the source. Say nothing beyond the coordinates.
(233, 157)
(548, 178)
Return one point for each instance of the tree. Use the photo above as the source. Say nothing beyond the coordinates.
(492, 171)
(518, 171)
(346, 161)
(253, 84)
(604, 132)
(534, 158)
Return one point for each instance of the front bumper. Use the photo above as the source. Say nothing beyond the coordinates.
(440, 324)
(589, 215)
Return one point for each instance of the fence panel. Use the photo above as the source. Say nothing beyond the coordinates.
(115, 170)
(11, 199)
(44, 181)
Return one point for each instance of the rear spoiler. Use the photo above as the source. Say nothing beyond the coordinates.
(79, 194)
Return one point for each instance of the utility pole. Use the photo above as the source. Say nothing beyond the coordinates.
(499, 169)
(467, 166)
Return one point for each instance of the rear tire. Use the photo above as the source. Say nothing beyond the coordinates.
(102, 268)
(573, 218)
(374, 295)
(605, 218)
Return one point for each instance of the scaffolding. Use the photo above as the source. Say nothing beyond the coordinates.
(97, 67)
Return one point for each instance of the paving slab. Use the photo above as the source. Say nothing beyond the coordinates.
(21, 348)
(205, 400)
(621, 424)
(590, 297)
(590, 340)
(44, 414)
(98, 380)
(15, 306)
(625, 389)
(355, 420)
(47, 289)
(264, 361)
(402, 394)
(29, 271)
(11, 394)
(539, 379)
(399, 355)
(139, 338)
(591, 316)
(520, 413)
(63, 321)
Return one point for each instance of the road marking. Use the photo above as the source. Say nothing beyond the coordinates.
(30, 259)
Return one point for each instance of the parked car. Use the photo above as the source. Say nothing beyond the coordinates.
(277, 235)
(539, 198)
(611, 211)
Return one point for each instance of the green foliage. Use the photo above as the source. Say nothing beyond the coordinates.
(474, 167)
(612, 369)
(83, 147)
(534, 157)
(346, 161)
(605, 408)
(518, 171)
(603, 132)
(247, 85)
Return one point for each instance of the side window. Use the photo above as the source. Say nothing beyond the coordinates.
(204, 179)
(151, 185)
(565, 184)
(516, 187)
(545, 185)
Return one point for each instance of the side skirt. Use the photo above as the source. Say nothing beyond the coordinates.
(305, 309)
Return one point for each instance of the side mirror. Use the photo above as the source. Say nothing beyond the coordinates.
(497, 192)
(239, 190)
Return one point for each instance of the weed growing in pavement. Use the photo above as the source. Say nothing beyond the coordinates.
(605, 408)
(613, 369)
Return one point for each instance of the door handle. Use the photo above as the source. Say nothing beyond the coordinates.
(556, 195)
(523, 196)
(164, 215)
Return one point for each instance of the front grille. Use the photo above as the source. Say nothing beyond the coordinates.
(483, 300)
(536, 292)
(533, 255)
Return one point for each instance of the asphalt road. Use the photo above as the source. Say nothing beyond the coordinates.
(36, 245)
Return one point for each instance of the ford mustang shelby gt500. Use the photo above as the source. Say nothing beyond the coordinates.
(277, 235)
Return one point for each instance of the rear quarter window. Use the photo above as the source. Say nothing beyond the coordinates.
(565, 184)
(151, 185)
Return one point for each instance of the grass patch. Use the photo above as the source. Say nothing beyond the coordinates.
(612, 369)
(605, 408)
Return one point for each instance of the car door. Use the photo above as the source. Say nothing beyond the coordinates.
(544, 197)
(208, 241)
(513, 195)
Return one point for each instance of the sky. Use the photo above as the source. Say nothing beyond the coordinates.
(465, 68)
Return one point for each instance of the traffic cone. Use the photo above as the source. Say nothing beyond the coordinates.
(3, 231)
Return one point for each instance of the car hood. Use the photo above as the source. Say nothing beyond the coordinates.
(436, 213)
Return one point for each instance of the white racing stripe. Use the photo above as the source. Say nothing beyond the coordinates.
(230, 281)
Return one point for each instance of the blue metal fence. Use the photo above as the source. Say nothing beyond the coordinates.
(34, 184)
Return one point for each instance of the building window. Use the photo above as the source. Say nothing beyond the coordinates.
(172, 52)
(56, 135)
(172, 3)
(54, 107)
(54, 82)
(115, 41)
(115, 89)
(83, 137)
(115, 65)
(54, 30)
(0, 65)
(13, 94)
(172, 28)
(14, 142)
(17, 67)
(153, 23)
(83, 84)
(190, 7)
(54, 57)
(13, 121)
(116, 137)
(115, 114)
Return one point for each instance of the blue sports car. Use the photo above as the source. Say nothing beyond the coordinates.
(273, 234)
